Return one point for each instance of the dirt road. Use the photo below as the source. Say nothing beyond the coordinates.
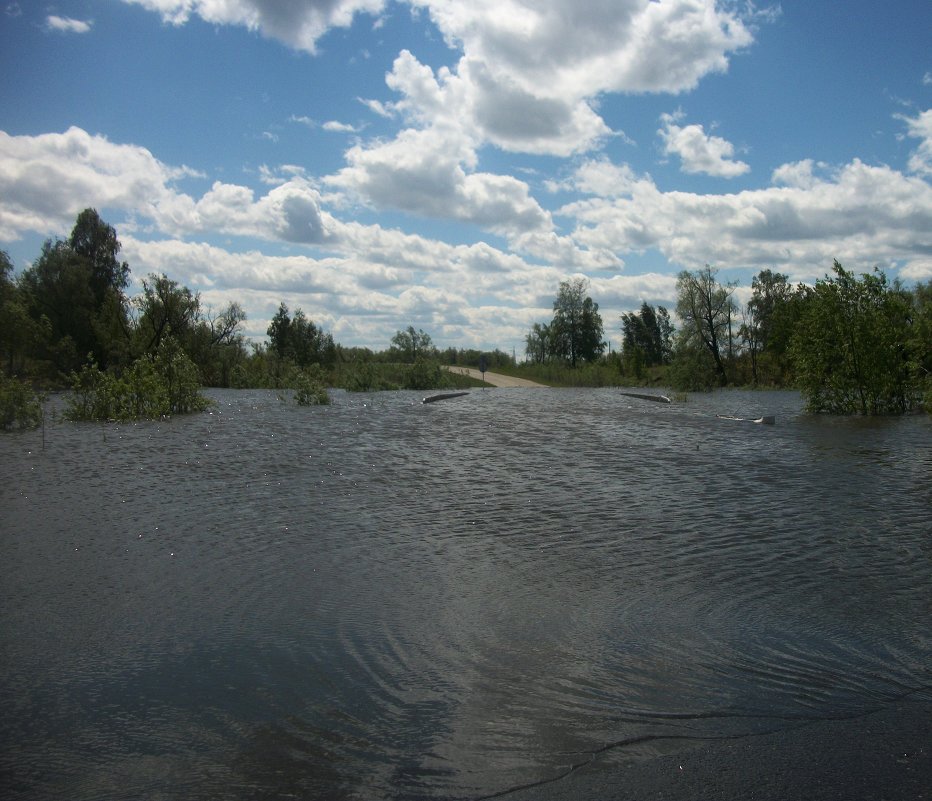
(495, 379)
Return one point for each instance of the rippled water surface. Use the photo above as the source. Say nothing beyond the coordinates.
(387, 600)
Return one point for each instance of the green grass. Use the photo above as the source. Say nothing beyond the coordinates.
(586, 375)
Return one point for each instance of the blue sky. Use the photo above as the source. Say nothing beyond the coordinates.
(445, 164)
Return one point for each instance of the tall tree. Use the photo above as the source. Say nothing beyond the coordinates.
(667, 334)
(409, 344)
(763, 318)
(97, 242)
(57, 288)
(921, 341)
(577, 333)
(165, 309)
(21, 336)
(647, 335)
(297, 338)
(279, 331)
(706, 309)
(537, 343)
(78, 286)
(852, 348)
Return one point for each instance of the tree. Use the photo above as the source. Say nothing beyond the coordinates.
(78, 286)
(18, 331)
(764, 321)
(309, 343)
(97, 242)
(165, 309)
(646, 337)
(409, 345)
(6, 275)
(921, 340)
(667, 334)
(57, 287)
(537, 343)
(299, 340)
(576, 328)
(854, 348)
(706, 309)
(217, 346)
(279, 331)
(213, 342)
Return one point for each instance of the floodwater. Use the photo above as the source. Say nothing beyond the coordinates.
(386, 600)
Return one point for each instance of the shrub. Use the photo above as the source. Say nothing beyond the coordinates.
(425, 374)
(310, 389)
(20, 405)
(154, 386)
(365, 377)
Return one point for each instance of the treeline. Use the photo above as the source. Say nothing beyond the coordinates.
(67, 321)
(851, 344)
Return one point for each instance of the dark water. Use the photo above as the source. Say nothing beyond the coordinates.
(384, 600)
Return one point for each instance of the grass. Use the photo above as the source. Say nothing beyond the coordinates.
(587, 375)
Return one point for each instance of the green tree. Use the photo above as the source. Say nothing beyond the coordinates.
(7, 287)
(576, 328)
(21, 336)
(706, 309)
(410, 345)
(853, 348)
(279, 332)
(646, 337)
(310, 344)
(767, 317)
(297, 339)
(164, 310)
(921, 341)
(537, 343)
(212, 341)
(96, 241)
(57, 287)
(77, 285)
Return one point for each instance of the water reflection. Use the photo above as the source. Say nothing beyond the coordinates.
(384, 599)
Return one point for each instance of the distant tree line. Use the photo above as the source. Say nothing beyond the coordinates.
(852, 345)
(67, 320)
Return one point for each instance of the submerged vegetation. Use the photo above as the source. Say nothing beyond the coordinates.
(20, 405)
(851, 345)
(153, 386)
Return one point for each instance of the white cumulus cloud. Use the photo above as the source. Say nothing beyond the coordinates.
(529, 73)
(698, 151)
(799, 227)
(920, 162)
(67, 25)
(297, 23)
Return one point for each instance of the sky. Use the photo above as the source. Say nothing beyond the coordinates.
(445, 164)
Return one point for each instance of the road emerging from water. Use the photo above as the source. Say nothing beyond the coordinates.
(495, 379)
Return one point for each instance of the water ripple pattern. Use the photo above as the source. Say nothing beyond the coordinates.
(382, 599)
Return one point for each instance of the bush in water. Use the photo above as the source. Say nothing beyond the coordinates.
(310, 389)
(20, 405)
(153, 386)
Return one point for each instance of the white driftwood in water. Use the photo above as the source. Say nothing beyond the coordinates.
(646, 396)
(443, 396)
(767, 420)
